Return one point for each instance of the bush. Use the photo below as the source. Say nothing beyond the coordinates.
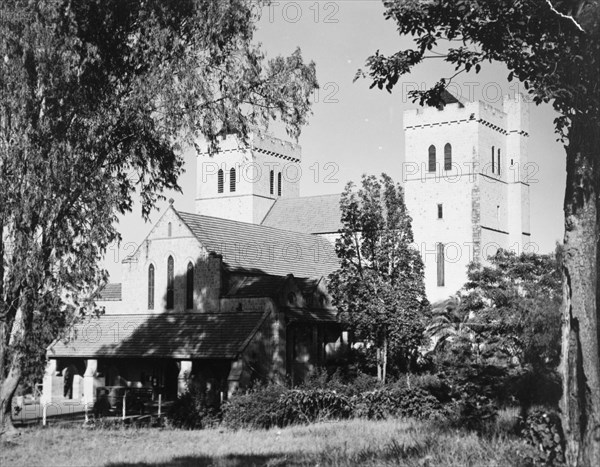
(350, 382)
(190, 411)
(258, 408)
(398, 402)
(474, 412)
(306, 406)
(434, 384)
(543, 430)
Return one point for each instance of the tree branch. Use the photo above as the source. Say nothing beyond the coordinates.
(562, 15)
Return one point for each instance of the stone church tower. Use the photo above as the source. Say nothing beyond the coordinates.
(466, 185)
(242, 181)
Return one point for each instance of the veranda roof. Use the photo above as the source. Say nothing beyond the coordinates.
(161, 335)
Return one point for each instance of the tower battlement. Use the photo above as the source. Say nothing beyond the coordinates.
(261, 142)
(276, 147)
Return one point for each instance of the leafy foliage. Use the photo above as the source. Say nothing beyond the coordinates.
(379, 287)
(473, 411)
(555, 55)
(397, 402)
(307, 406)
(543, 430)
(514, 304)
(502, 333)
(258, 408)
(190, 411)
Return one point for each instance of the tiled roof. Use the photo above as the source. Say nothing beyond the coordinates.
(309, 214)
(258, 249)
(110, 293)
(311, 315)
(255, 286)
(164, 335)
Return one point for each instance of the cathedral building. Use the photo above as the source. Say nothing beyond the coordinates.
(236, 291)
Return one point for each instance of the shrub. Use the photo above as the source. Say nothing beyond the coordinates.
(543, 430)
(398, 402)
(362, 383)
(306, 406)
(258, 408)
(190, 411)
(434, 384)
(474, 412)
(344, 381)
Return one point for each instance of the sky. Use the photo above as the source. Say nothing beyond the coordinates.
(356, 130)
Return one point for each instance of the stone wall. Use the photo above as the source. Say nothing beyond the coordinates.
(452, 189)
(481, 209)
(183, 246)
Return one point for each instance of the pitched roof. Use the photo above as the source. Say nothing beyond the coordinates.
(310, 315)
(309, 214)
(110, 293)
(448, 98)
(258, 249)
(255, 286)
(164, 335)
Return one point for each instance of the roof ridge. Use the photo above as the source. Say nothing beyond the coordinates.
(176, 313)
(260, 226)
(311, 196)
(269, 211)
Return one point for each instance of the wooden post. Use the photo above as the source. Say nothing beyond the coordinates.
(159, 404)
(124, 407)
(44, 410)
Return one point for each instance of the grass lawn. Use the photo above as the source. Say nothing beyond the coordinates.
(344, 443)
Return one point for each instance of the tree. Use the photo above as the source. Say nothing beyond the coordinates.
(379, 287)
(450, 325)
(553, 47)
(515, 304)
(97, 98)
(505, 319)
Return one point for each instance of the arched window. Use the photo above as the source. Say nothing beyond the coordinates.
(151, 287)
(272, 181)
(432, 158)
(232, 180)
(279, 184)
(169, 229)
(170, 280)
(493, 161)
(448, 157)
(189, 287)
(498, 161)
(220, 181)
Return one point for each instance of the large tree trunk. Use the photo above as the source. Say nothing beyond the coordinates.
(580, 362)
(7, 390)
(10, 369)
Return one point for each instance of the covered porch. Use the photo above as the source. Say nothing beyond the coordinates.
(150, 356)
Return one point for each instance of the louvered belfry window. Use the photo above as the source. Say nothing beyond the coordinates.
(448, 157)
(220, 181)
